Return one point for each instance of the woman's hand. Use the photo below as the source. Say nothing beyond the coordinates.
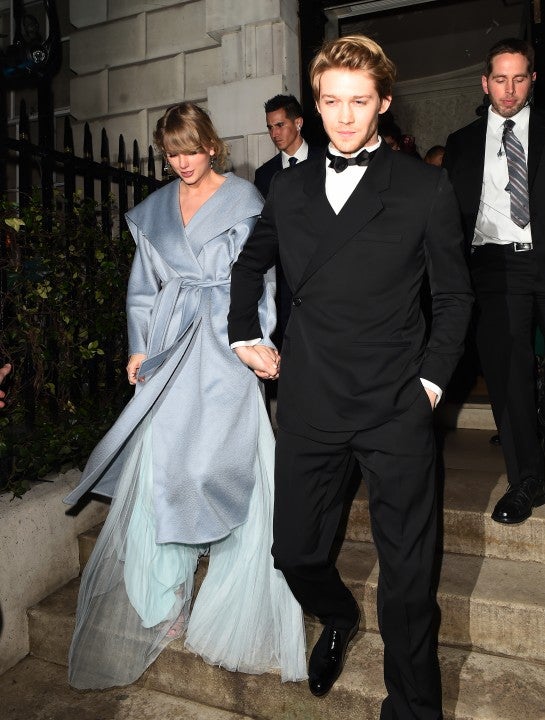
(263, 360)
(133, 367)
(4, 370)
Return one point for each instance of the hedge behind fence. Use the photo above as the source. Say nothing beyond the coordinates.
(62, 327)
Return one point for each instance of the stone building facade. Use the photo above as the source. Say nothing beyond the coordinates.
(125, 61)
(134, 58)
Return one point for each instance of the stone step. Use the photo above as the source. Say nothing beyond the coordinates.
(474, 480)
(466, 528)
(38, 690)
(469, 415)
(469, 497)
(488, 604)
(476, 686)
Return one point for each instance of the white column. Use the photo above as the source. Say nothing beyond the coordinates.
(259, 59)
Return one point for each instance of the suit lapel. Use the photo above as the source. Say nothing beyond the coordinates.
(333, 231)
(474, 152)
(274, 167)
(536, 144)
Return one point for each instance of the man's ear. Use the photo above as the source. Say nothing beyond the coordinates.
(484, 83)
(385, 104)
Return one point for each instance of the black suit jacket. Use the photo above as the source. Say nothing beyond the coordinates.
(265, 173)
(263, 177)
(464, 162)
(355, 347)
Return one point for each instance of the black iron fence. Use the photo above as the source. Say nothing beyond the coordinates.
(64, 167)
(64, 260)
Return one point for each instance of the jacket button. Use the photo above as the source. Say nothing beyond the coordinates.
(296, 301)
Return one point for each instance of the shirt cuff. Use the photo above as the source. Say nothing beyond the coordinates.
(245, 343)
(434, 388)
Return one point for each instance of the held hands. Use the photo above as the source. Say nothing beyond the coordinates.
(263, 360)
(133, 367)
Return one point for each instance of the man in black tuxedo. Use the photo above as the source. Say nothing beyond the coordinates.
(357, 228)
(503, 213)
(284, 117)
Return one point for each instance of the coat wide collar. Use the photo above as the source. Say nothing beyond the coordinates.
(159, 218)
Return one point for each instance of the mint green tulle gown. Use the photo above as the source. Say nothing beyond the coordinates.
(189, 466)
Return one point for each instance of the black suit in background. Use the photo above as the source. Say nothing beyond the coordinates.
(353, 353)
(263, 176)
(510, 289)
(265, 173)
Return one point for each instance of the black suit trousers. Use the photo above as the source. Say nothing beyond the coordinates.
(397, 460)
(510, 300)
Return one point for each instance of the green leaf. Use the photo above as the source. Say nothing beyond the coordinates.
(15, 223)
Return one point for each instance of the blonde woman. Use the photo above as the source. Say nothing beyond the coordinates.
(189, 462)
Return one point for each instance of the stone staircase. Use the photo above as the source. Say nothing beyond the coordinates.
(492, 636)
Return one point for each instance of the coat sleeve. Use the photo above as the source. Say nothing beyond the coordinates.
(142, 291)
(266, 306)
(249, 277)
(452, 296)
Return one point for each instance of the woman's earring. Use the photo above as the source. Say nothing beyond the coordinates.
(212, 160)
(166, 167)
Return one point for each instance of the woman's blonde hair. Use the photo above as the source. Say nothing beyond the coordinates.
(354, 52)
(186, 128)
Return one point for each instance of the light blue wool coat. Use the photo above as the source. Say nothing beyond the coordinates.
(202, 400)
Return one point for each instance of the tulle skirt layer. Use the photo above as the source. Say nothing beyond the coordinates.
(136, 595)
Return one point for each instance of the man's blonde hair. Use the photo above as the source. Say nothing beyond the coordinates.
(354, 52)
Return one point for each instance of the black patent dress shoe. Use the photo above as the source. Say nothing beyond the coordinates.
(327, 659)
(495, 440)
(517, 503)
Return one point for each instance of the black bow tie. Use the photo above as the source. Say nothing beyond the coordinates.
(340, 163)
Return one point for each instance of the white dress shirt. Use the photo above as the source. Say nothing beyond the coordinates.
(494, 224)
(339, 186)
(301, 154)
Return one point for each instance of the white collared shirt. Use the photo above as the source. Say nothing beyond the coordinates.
(494, 224)
(301, 154)
(339, 186)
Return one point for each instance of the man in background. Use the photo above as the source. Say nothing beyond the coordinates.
(497, 167)
(284, 117)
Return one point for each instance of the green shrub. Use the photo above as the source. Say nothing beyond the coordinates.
(62, 325)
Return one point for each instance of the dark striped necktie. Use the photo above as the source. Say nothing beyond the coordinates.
(292, 161)
(518, 176)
